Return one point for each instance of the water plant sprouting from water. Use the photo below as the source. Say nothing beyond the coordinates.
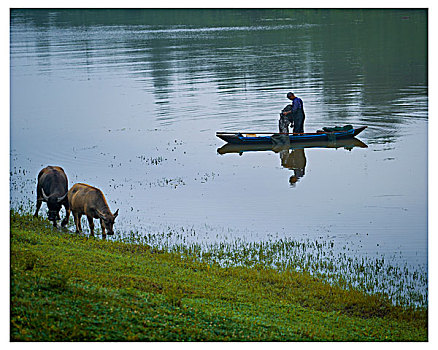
(404, 284)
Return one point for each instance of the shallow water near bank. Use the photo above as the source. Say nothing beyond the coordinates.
(130, 101)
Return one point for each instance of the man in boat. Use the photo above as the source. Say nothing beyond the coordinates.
(292, 114)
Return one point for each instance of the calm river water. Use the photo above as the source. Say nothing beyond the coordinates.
(130, 100)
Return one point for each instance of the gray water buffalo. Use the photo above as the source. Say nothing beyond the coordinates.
(52, 188)
(87, 200)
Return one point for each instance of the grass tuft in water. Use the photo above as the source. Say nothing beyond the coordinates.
(403, 284)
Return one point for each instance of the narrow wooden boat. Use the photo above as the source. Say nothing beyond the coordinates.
(252, 138)
(241, 148)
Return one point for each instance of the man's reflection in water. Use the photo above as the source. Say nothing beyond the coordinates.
(295, 160)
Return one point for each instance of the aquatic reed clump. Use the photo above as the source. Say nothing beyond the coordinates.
(403, 284)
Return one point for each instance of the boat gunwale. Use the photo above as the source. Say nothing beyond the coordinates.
(240, 134)
(239, 138)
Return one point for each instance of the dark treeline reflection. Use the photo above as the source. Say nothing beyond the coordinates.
(368, 59)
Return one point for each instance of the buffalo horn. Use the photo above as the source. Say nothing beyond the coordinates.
(100, 214)
(60, 199)
(44, 195)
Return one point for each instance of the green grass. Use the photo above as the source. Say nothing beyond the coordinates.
(66, 287)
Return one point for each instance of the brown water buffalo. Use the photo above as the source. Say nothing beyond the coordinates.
(87, 200)
(52, 188)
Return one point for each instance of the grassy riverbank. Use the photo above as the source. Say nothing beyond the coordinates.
(65, 287)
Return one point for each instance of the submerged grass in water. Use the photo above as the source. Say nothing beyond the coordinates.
(70, 287)
(403, 284)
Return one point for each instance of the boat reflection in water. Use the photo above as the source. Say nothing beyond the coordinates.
(292, 156)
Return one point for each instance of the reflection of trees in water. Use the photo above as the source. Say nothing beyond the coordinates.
(357, 59)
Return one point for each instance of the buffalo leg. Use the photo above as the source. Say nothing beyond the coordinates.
(77, 218)
(103, 229)
(91, 225)
(38, 206)
(67, 215)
